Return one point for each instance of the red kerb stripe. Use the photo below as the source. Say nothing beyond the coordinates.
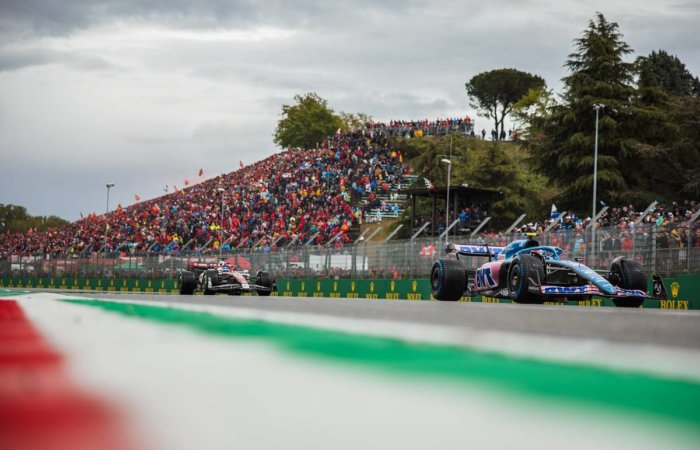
(40, 408)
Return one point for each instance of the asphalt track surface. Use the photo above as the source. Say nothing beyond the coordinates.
(633, 326)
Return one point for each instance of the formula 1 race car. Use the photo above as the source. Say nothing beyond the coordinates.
(212, 278)
(526, 272)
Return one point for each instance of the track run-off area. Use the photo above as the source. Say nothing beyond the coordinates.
(183, 372)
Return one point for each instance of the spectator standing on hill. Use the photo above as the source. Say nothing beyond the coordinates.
(483, 133)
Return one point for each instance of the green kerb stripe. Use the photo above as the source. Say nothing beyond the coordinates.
(664, 398)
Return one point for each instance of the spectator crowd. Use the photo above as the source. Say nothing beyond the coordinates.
(295, 195)
(316, 196)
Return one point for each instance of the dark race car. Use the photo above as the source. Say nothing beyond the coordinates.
(526, 272)
(211, 278)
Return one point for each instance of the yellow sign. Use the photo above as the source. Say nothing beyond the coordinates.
(414, 285)
(675, 286)
(393, 284)
(352, 286)
(318, 285)
(371, 286)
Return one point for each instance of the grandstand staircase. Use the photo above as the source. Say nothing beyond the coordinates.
(377, 215)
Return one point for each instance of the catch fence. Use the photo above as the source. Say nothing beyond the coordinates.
(660, 251)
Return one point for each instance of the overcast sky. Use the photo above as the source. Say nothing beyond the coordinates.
(144, 93)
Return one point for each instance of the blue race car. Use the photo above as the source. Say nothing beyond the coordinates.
(527, 272)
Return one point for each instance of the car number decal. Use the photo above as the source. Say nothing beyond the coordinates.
(484, 279)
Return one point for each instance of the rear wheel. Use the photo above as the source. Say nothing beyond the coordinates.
(630, 275)
(264, 279)
(448, 280)
(523, 270)
(186, 282)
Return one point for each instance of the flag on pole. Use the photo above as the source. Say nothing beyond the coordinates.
(241, 164)
(137, 198)
(201, 172)
(429, 185)
(554, 212)
(337, 133)
(187, 182)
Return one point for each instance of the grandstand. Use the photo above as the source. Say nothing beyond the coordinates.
(320, 197)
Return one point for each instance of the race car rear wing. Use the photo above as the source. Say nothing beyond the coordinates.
(474, 250)
(194, 265)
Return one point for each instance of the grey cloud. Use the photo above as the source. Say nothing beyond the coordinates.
(61, 17)
(12, 59)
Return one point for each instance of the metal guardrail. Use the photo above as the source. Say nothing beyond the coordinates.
(662, 251)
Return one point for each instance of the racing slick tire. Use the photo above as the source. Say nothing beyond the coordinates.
(187, 282)
(448, 280)
(264, 279)
(522, 269)
(211, 277)
(627, 274)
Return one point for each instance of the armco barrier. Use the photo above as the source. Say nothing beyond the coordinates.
(683, 290)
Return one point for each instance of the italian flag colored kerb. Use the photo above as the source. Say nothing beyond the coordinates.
(192, 379)
(40, 406)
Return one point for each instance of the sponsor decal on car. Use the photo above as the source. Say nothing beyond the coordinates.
(589, 289)
(479, 249)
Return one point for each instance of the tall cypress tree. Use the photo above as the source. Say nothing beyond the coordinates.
(598, 75)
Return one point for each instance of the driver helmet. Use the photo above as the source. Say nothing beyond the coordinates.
(222, 263)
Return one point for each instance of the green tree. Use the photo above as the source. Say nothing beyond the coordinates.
(10, 214)
(663, 71)
(306, 123)
(495, 92)
(531, 112)
(502, 167)
(671, 164)
(354, 121)
(598, 76)
(16, 219)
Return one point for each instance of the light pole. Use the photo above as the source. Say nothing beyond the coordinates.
(447, 202)
(447, 206)
(597, 108)
(109, 186)
(221, 244)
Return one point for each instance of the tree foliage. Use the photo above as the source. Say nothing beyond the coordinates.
(532, 111)
(667, 73)
(598, 76)
(494, 93)
(306, 123)
(15, 219)
(502, 167)
(354, 121)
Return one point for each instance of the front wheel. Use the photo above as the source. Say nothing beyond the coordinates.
(627, 274)
(187, 283)
(523, 271)
(448, 280)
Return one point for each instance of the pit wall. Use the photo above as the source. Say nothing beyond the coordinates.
(683, 290)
